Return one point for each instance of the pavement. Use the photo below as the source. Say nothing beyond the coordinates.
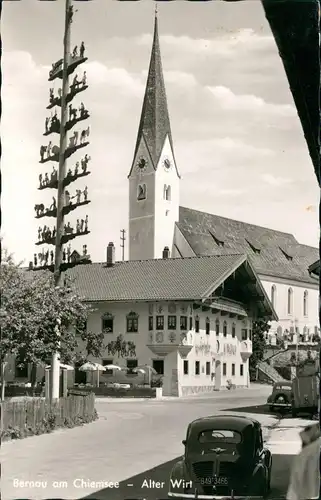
(133, 444)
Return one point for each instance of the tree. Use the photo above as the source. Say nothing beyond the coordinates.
(259, 329)
(39, 319)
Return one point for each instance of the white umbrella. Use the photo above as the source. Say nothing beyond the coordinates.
(113, 367)
(90, 366)
(147, 369)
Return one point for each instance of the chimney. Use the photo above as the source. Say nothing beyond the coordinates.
(110, 254)
(166, 253)
(30, 265)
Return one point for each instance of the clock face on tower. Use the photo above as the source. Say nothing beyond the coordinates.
(141, 164)
(167, 164)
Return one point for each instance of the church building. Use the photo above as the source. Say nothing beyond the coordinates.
(157, 221)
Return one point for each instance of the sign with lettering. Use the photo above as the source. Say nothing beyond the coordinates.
(229, 349)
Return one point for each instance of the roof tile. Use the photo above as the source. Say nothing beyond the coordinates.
(197, 227)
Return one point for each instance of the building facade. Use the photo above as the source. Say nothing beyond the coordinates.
(179, 316)
(156, 220)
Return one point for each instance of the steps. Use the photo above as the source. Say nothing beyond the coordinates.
(269, 372)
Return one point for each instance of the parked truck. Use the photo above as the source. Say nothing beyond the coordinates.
(305, 390)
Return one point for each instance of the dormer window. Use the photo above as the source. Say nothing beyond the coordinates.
(286, 254)
(218, 242)
(253, 246)
(167, 192)
(141, 192)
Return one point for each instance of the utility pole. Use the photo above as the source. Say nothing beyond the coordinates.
(61, 233)
(122, 244)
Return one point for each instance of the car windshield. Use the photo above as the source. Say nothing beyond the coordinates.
(220, 436)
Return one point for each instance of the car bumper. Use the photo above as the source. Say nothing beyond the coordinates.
(211, 497)
(284, 405)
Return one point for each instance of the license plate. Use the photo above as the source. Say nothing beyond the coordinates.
(214, 481)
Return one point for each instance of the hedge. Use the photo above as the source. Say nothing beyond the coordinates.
(36, 416)
(119, 392)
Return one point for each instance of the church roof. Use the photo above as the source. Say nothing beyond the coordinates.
(154, 121)
(191, 278)
(272, 253)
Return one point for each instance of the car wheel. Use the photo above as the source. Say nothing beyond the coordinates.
(269, 480)
(294, 412)
(260, 485)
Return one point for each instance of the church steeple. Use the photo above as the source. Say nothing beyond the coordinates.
(154, 124)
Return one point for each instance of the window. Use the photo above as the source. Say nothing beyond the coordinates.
(197, 324)
(290, 300)
(185, 367)
(220, 436)
(233, 330)
(159, 322)
(233, 369)
(141, 192)
(273, 295)
(217, 327)
(107, 323)
(150, 323)
(183, 322)
(132, 322)
(241, 370)
(190, 323)
(225, 329)
(224, 369)
(172, 322)
(197, 367)
(305, 303)
(131, 364)
(208, 368)
(158, 365)
(167, 192)
(244, 333)
(207, 326)
(106, 362)
(21, 368)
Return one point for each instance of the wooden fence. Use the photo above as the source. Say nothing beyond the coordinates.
(34, 413)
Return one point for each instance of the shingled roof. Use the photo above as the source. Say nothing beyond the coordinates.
(272, 253)
(159, 279)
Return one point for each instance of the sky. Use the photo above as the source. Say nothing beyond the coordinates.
(237, 138)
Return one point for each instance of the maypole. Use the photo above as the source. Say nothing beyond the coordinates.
(60, 260)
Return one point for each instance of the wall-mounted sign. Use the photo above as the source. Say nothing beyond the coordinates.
(229, 349)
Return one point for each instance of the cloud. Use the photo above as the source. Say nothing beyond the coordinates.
(117, 78)
(223, 43)
(229, 101)
(275, 181)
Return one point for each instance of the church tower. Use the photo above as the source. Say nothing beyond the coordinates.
(153, 177)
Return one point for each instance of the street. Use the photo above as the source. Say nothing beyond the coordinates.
(133, 443)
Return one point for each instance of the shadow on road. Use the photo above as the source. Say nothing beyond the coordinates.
(157, 479)
(259, 409)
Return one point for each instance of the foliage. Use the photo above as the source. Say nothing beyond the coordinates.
(38, 319)
(259, 329)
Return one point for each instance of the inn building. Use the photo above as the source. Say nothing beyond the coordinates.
(186, 299)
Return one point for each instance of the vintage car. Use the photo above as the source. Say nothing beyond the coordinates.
(224, 458)
(281, 396)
